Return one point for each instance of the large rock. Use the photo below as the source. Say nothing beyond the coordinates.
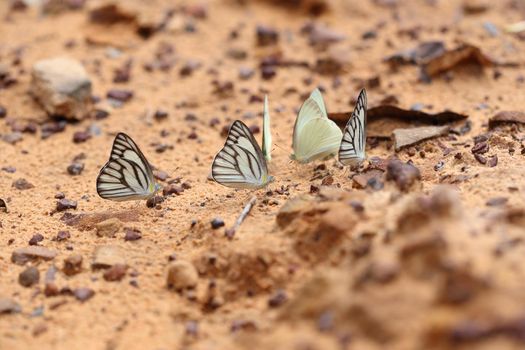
(182, 275)
(62, 87)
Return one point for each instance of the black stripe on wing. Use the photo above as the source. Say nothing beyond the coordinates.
(354, 135)
(226, 167)
(112, 181)
(127, 174)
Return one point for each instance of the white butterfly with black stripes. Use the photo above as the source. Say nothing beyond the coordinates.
(240, 163)
(127, 175)
(353, 143)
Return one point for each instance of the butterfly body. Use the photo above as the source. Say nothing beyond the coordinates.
(127, 175)
(240, 163)
(353, 143)
(315, 136)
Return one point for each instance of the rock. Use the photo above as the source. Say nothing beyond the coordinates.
(291, 209)
(107, 256)
(81, 136)
(279, 298)
(83, 294)
(72, 264)
(115, 273)
(266, 36)
(8, 306)
(65, 204)
(22, 184)
(22, 255)
(108, 228)
(403, 174)
(62, 236)
(182, 275)
(29, 276)
(13, 137)
(62, 87)
(217, 223)
(131, 234)
(172, 189)
(37, 238)
(475, 6)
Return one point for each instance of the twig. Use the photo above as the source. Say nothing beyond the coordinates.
(244, 213)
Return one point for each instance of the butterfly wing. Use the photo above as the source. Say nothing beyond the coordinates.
(320, 139)
(240, 163)
(318, 98)
(352, 149)
(267, 134)
(314, 134)
(127, 175)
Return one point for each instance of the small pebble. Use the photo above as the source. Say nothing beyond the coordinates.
(37, 237)
(29, 277)
(72, 264)
(131, 234)
(65, 204)
(83, 294)
(217, 223)
(115, 273)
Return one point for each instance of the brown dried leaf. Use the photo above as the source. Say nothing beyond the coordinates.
(384, 118)
(449, 59)
(408, 137)
(507, 117)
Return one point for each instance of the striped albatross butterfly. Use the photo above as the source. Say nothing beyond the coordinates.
(127, 175)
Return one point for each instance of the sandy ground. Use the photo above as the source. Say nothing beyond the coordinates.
(422, 268)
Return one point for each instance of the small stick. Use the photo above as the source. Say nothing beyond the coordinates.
(244, 213)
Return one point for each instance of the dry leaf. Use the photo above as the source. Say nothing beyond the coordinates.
(382, 119)
(507, 117)
(448, 60)
(408, 137)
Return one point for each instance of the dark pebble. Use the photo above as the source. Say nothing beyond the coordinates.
(72, 265)
(216, 223)
(100, 114)
(60, 195)
(268, 72)
(29, 276)
(160, 115)
(120, 95)
(403, 174)
(62, 236)
(22, 184)
(172, 189)
(266, 35)
(37, 237)
(3, 112)
(9, 169)
(131, 234)
(279, 298)
(50, 128)
(154, 201)
(480, 158)
(493, 161)
(115, 273)
(81, 136)
(83, 294)
(160, 175)
(255, 129)
(480, 148)
(193, 135)
(65, 204)
(75, 169)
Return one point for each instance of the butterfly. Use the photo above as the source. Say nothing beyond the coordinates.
(267, 134)
(352, 149)
(240, 163)
(314, 135)
(127, 175)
